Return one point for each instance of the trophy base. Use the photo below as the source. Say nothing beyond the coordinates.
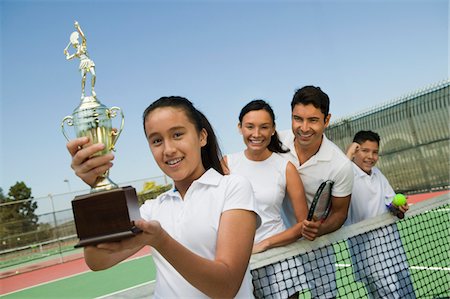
(106, 216)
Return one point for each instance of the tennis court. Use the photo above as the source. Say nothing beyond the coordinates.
(426, 243)
(130, 274)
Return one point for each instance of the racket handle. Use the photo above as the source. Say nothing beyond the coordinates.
(395, 211)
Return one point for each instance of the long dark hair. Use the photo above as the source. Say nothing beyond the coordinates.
(275, 144)
(211, 154)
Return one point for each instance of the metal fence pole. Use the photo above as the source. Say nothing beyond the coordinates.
(56, 228)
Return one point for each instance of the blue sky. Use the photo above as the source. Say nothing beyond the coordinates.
(219, 54)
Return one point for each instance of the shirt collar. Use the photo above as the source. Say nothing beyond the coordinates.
(210, 177)
(324, 153)
(361, 173)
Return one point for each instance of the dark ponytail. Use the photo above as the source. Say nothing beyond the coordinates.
(211, 154)
(275, 144)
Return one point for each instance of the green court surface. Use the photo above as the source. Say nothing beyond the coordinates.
(94, 284)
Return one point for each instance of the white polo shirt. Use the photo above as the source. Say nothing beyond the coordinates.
(370, 196)
(329, 163)
(194, 222)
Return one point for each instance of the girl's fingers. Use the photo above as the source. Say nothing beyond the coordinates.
(73, 146)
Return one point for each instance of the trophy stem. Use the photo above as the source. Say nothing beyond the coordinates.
(104, 183)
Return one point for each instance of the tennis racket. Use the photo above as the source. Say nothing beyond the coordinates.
(321, 203)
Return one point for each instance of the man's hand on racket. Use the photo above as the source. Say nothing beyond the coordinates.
(86, 167)
(311, 229)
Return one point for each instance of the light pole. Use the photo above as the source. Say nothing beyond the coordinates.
(68, 184)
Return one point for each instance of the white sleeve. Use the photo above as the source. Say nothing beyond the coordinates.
(146, 209)
(388, 192)
(238, 194)
(343, 182)
(151, 206)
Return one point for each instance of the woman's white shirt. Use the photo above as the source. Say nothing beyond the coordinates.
(268, 179)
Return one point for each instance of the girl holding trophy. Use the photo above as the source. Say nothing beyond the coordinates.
(201, 232)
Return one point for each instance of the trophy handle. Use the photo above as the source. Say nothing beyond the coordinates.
(69, 120)
(112, 112)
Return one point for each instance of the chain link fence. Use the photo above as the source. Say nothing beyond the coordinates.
(54, 237)
(415, 138)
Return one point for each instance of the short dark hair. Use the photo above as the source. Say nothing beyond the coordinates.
(275, 144)
(312, 95)
(363, 136)
(211, 154)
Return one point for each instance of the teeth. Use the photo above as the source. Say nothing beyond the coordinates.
(256, 141)
(173, 162)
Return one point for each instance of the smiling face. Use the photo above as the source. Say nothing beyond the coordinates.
(257, 128)
(175, 144)
(308, 125)
(366, 156)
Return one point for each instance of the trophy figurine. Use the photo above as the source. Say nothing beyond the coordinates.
(108, 212)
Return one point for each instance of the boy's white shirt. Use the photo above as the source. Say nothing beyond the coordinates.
(370, 196)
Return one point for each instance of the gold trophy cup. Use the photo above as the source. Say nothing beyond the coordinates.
(108, 212)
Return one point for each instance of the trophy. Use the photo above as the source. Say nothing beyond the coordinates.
(108, 212)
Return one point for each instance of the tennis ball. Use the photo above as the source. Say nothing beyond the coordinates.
(399, 200)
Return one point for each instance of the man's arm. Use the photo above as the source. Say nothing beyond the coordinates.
(338, 214)
(334, 221)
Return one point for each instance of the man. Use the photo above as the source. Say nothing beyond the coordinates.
(384, 272)
(317, 159)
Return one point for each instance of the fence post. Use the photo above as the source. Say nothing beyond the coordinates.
(56, 228)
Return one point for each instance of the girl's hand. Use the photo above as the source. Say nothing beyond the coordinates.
(152, 232)
(86, 167)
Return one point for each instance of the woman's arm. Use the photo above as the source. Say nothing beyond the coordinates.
(78, 28)
(296, 192)
(224, 163)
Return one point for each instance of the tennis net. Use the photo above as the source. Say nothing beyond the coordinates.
(382, 257)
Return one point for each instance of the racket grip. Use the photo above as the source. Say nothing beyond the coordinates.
(395, 211)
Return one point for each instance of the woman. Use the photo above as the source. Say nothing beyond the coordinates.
(201, 233)
(271, 176)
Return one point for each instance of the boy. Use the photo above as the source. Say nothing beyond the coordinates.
(384, 272)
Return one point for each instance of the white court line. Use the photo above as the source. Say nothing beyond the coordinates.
(411, 267)
(128, 289)
(44, 283)
(430, 268)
